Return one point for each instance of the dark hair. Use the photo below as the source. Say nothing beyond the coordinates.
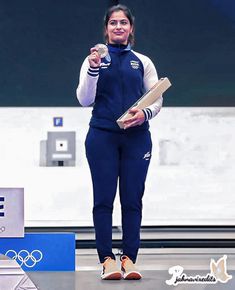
(128, 14)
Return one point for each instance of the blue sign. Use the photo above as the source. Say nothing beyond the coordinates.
(41, 251)
(58, 121)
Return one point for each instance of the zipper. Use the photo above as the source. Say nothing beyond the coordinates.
(121, 79)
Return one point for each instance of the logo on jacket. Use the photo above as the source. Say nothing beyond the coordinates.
(104, 65)
(147, 156)
(135, 64)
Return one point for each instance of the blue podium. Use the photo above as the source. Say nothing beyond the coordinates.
(41, 251)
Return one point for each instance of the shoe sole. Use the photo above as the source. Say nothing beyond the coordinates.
(112, 276)
(132, 276)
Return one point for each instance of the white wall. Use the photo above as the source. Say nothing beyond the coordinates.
(190, 180)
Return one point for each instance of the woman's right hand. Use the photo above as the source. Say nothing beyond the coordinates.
(94, 58)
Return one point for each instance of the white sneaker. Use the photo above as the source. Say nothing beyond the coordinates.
(110, 270)
(129, 270)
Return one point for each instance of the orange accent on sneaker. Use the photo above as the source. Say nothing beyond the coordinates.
(129, 270)
(110, 270)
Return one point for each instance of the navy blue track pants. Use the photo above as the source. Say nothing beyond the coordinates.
(112, 156)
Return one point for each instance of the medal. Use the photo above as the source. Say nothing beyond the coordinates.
(102, 50)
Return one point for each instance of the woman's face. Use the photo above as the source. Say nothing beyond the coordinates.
(118, 28)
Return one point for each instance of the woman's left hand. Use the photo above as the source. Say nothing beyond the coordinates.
(137, 119)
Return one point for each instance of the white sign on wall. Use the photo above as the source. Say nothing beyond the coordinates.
(11, 212)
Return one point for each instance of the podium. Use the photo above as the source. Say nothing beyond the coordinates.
(12, 277)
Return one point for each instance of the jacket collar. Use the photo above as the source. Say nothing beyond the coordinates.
(119, 47)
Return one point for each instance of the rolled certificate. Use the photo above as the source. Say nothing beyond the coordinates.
(147, 99)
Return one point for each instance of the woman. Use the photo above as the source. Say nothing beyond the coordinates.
(113, 84)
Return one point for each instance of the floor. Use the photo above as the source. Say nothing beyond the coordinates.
(153, 264)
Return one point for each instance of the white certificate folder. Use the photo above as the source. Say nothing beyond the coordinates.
(147, 99)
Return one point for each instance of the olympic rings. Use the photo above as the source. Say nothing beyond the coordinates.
(25, 258)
